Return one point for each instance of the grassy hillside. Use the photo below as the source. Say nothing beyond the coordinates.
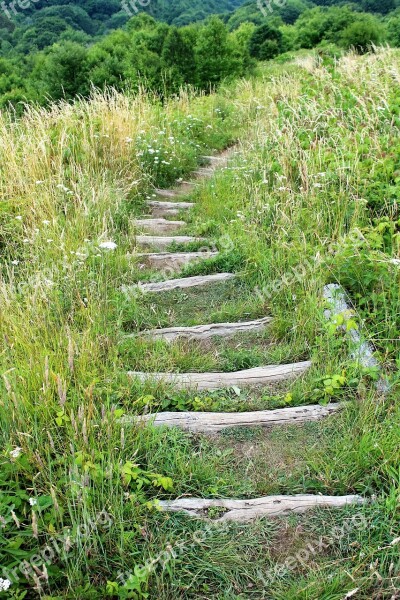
(310, 197)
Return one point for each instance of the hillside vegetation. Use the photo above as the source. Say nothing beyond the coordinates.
(54, 51)
(310, 197)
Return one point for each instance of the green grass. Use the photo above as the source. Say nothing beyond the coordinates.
(310, 198)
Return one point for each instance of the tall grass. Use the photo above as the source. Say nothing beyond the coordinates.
(312, 191)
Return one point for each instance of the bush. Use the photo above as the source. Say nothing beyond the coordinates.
(362, 34)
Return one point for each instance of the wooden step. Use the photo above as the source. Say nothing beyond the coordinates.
(205, 332)
(258, 376)
(163, 242)
(248, 510)
(204, 172)
(168, 209)
(362, 350)
(208, 422)
(185, 282)
(185, 187)
(173, 261)
(159, 225)
(219, 160)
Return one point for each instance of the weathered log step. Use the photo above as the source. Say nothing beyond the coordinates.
(205, 332)
(185, 282)
(173, 261)
(159, 225)
(216, 159)
(163, 242)
(168, 209)
(204, 172)
(185, 187)
(248, 510)
(258, 376)
(198, 422)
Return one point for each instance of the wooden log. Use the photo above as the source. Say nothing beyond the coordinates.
(185, 282)
(361, 350)
(248, 510)
(168, 209)
(216, 159)
(211, 423)
(158, 226)
(185, 187)
(258, 376)
(204, 172)
(205, 332)
(163, 242)
(173, 261)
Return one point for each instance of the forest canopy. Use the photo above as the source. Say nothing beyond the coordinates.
(57, 49)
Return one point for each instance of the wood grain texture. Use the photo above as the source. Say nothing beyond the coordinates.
(248, 510)
(211, 423)
(185, 187)
(185, 282)
(258, 376)
(205, 332)
(163, 242)
(173, 261)
(158, 226)
(167, 209)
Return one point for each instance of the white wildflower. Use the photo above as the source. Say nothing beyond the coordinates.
(4, 584)
(108, 245)
(32, 501)
(15, 262)
(128, 140)
(39, 182)
(351, 594)
(19, 218)
(16, 452)
(45, 222)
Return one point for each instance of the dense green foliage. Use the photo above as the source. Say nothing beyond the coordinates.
(58, 51)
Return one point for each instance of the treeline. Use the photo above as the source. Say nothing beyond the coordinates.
(44, 22)
(146, 53)
(163, 58)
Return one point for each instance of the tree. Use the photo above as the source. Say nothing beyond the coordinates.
(212, 52)
(266, 42)
(178, 58)
(379, 6)
(363, 33)
(393, 28)
(64, 72)
(240, 42)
